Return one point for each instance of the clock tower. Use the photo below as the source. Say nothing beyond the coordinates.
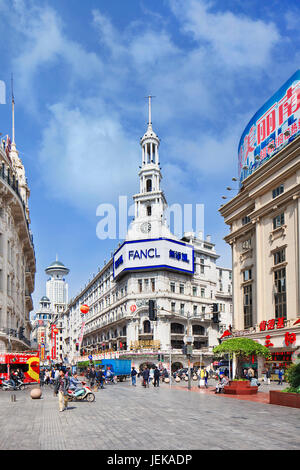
(150, 203)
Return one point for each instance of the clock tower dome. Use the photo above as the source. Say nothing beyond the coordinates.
(150, 203)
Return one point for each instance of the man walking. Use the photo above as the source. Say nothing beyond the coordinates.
(92, 376)
(156, 377)
(61, 388)
(133, 377)
(145, 374)
(100, 377)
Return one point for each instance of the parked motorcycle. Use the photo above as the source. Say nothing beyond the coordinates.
(85, 393)
(8, 385)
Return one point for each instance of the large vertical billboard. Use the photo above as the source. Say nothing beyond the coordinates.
(275, 125)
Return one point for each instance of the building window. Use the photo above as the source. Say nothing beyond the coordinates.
(278, 221)
(247, 302)
(202, 292)
(279, 256)
(146, 281)
(203, 309)
(198, 330)
(182, 309)
(148, 210)
(177, 328)
(149, 185)
(247, 275)
(181, 288)
(140, 285)
(172, 286)
(220, 287)
(280, 293)
(194, 291)
(153, 285)
(277, 191)
(245, 220)
(173, 305)
(195, 309)
(147, 326)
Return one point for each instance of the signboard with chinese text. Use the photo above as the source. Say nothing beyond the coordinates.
(274, 125)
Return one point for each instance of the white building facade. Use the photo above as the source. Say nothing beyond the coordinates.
(17, 256)
(180, 275)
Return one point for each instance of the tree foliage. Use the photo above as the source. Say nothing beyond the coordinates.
(242, 347)
(292, 376)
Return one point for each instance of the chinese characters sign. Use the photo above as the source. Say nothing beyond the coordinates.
(277, 123)
(145, 344)
(271, 324)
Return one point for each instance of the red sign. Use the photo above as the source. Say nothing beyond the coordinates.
(289, 338)
(28, 362)
(133, 308)
(271, 324)
(268, 343)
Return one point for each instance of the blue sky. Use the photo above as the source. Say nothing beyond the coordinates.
(81, 72)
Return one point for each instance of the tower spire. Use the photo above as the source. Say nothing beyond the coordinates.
(149, 111)
(13, 109)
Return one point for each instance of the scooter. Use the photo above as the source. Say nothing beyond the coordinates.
(84, 393)
(7, 385)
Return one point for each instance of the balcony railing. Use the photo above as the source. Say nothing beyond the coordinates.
(14, 185)
(12, 333)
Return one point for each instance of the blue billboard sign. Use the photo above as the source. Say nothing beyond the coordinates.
(274, 125)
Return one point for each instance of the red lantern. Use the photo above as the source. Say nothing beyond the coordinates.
(84, 308)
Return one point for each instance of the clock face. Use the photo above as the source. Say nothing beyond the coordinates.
(145, 227)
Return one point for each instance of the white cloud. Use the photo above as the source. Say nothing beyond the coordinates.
(237, 40)
(86, 156)
(86, 139)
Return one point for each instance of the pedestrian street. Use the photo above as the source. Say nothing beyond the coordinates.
(134, 418)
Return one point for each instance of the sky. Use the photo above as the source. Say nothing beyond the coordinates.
(81, 73)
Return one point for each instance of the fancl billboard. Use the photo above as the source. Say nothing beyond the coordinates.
(275, 125)
(154, 253)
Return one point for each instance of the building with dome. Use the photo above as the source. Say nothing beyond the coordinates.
(56, 286)
(180, 275)
(49, 317)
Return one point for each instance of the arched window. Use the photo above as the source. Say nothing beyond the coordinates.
(177, 328)
(149, 185)
(147, 326)
(198, 330)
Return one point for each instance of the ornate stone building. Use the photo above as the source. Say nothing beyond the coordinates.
(17, 257)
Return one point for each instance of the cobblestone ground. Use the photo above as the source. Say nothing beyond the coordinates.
(134, 418)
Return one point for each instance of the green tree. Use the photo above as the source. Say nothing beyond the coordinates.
(241, 348)
(292, 376)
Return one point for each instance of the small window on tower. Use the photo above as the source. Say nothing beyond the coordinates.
(148, 210)
(149, 185)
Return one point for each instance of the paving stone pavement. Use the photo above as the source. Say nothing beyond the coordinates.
(133, 418)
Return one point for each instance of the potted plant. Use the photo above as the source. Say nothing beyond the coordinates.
(290, 396)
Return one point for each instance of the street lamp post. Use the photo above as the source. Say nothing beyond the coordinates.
(189, 342)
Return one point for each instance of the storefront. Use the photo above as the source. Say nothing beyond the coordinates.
(281, 360)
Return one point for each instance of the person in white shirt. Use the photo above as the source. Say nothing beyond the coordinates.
(151, 376)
